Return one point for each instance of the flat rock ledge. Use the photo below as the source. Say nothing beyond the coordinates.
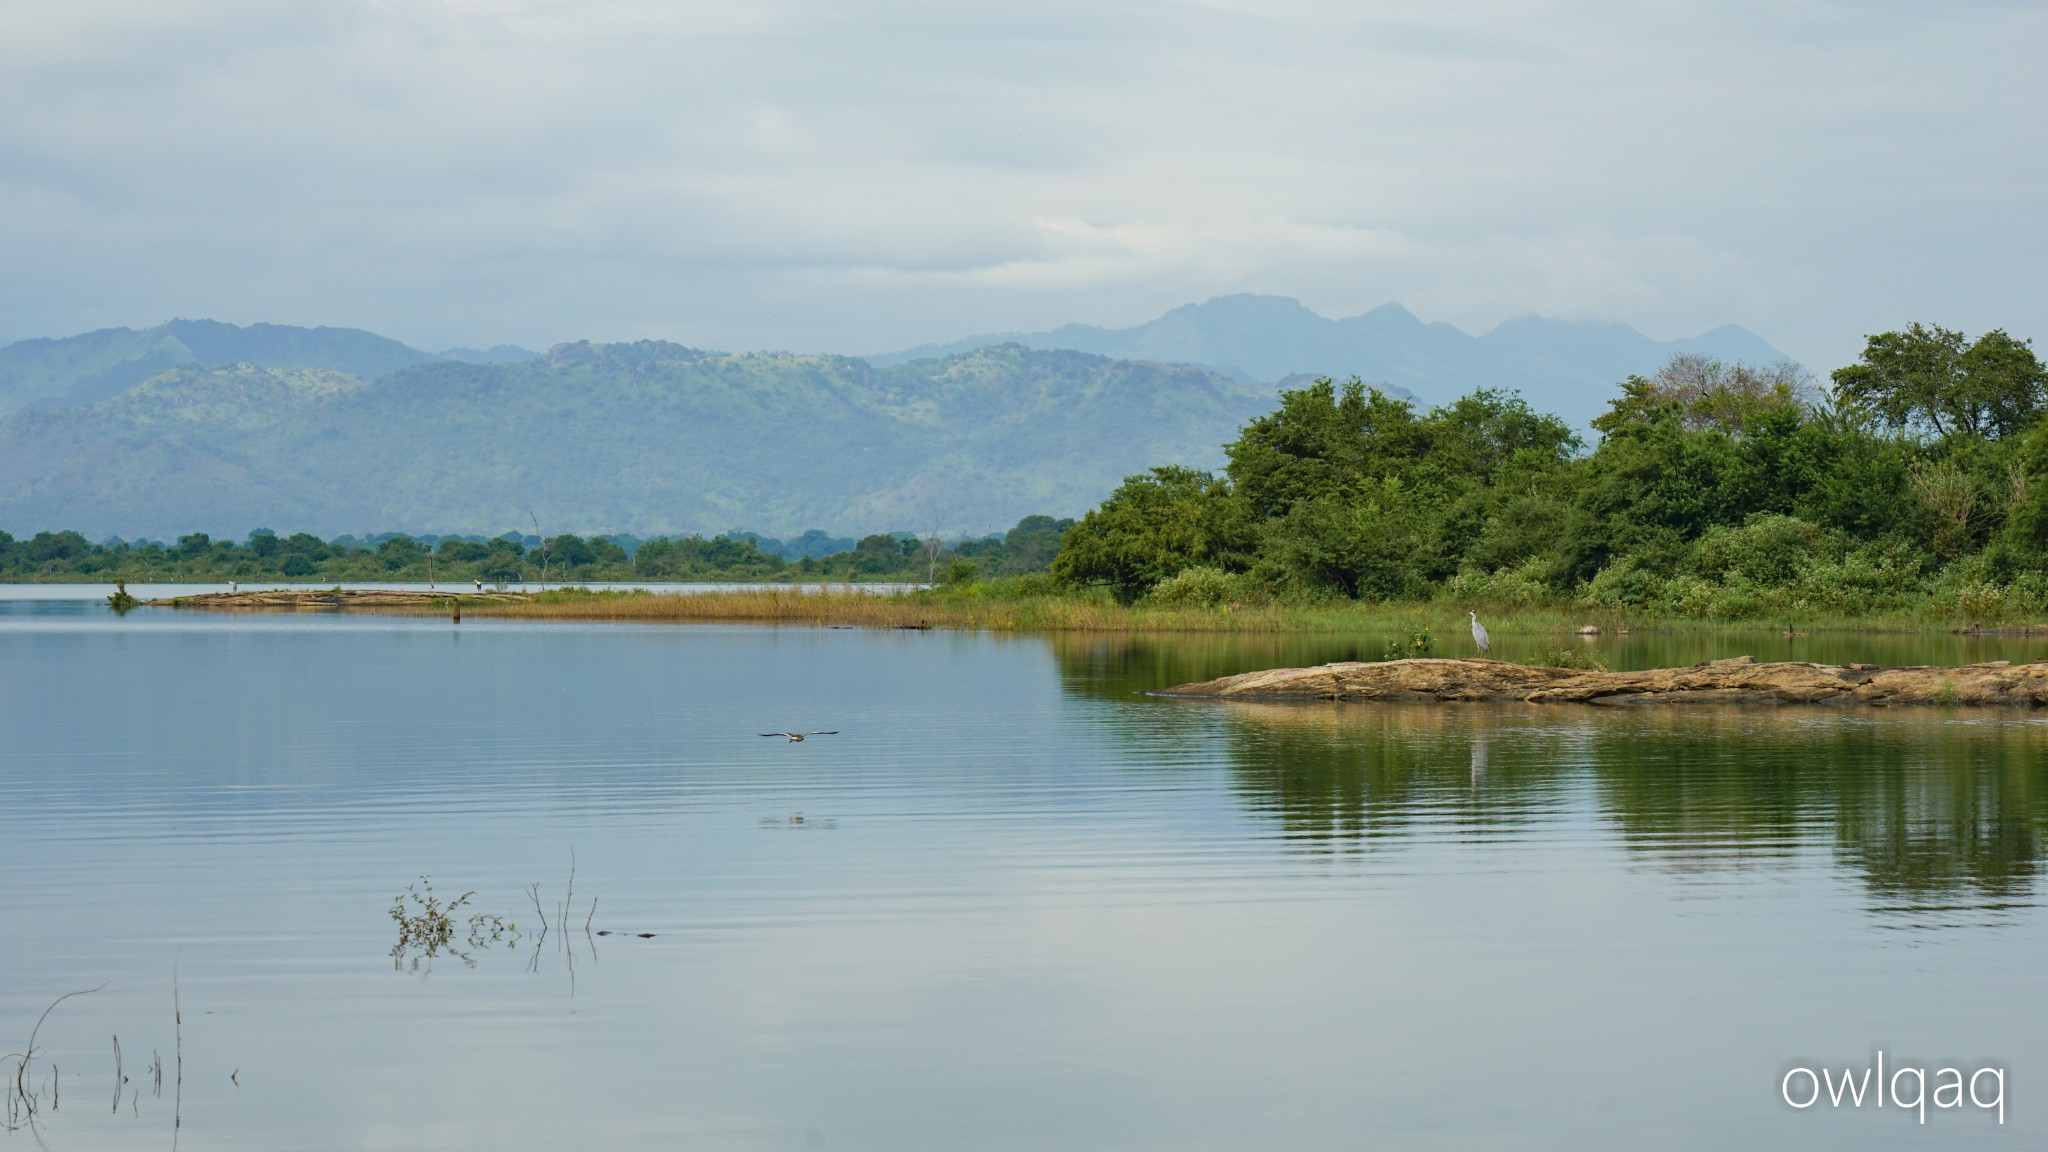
(1738, 681)
(333, 600)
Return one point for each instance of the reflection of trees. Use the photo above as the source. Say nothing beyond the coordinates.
(1335, 775)
(1926, 808)
(1930, 809)
(1109, 666)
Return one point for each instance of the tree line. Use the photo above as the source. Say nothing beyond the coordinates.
(1917, 476)
(511, 559)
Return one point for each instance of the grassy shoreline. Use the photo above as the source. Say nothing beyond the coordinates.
(969, 611)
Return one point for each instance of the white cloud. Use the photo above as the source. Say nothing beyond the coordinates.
(811, 174)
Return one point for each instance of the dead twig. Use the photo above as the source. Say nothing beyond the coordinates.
(22, 1102)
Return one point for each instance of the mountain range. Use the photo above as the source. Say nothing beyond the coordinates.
(200, 425)
(87, 369)
(1565, 367)
(645, 438)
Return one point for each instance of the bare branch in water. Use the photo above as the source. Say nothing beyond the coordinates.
(22, 1102)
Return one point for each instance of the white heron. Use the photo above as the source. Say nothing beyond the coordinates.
(1479, 633)
(794, 737)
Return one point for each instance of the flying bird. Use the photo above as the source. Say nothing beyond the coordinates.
(1479, 633)
(796, 736)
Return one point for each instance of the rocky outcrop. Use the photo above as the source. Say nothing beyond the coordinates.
(1738, 681)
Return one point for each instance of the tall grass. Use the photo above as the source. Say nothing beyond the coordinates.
(977, 610)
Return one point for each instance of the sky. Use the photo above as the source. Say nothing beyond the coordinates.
(852, 176)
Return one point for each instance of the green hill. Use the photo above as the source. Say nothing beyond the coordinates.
(82, 370)
(644, 438)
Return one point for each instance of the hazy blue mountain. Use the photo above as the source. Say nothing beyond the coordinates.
(495, 354)
(195, 424)
(645, 438)
(1565, 367)
(87, 369)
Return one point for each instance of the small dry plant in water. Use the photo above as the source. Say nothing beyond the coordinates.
(427, 924)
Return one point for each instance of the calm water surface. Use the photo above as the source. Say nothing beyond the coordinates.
(1025, 908)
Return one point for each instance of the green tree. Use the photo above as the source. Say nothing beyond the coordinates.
(1321, 439)
(453, 551)
(401, 551)
(2025, 532)
(566, 551)
(59, 547)
(1927, 377)
(1154, 525)
(606, 553)
(1032, 544)
(1368, 542)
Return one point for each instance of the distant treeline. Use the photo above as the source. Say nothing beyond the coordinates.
(1918, 481)
(266, 556)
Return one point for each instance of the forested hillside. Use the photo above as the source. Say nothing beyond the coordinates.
(86, 369)
(648, 438)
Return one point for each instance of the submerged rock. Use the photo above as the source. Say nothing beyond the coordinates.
(1738, 681)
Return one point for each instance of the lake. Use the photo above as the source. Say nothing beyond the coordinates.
(1011, 904)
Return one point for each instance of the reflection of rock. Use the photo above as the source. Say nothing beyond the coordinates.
(1738, 681)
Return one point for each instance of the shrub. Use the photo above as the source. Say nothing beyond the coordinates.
(1575, 658)
(1623, 584)
(1768, 550)
(1980, 602)
(1419, 644)
(1507, 587)
(1197, 588)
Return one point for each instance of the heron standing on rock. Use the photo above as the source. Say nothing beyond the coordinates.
(1479, 633)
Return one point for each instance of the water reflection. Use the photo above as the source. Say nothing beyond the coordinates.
(1929, 812)
(1335, 775)
(1053, 912)
(1925, 808)
(1934, 813)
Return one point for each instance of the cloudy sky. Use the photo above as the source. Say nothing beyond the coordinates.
(860, 175)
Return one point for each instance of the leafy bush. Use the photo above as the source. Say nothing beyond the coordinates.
(1623, 584)
(1198, 588)
(1506, 587)
(1768, 549)
(1419, 644)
